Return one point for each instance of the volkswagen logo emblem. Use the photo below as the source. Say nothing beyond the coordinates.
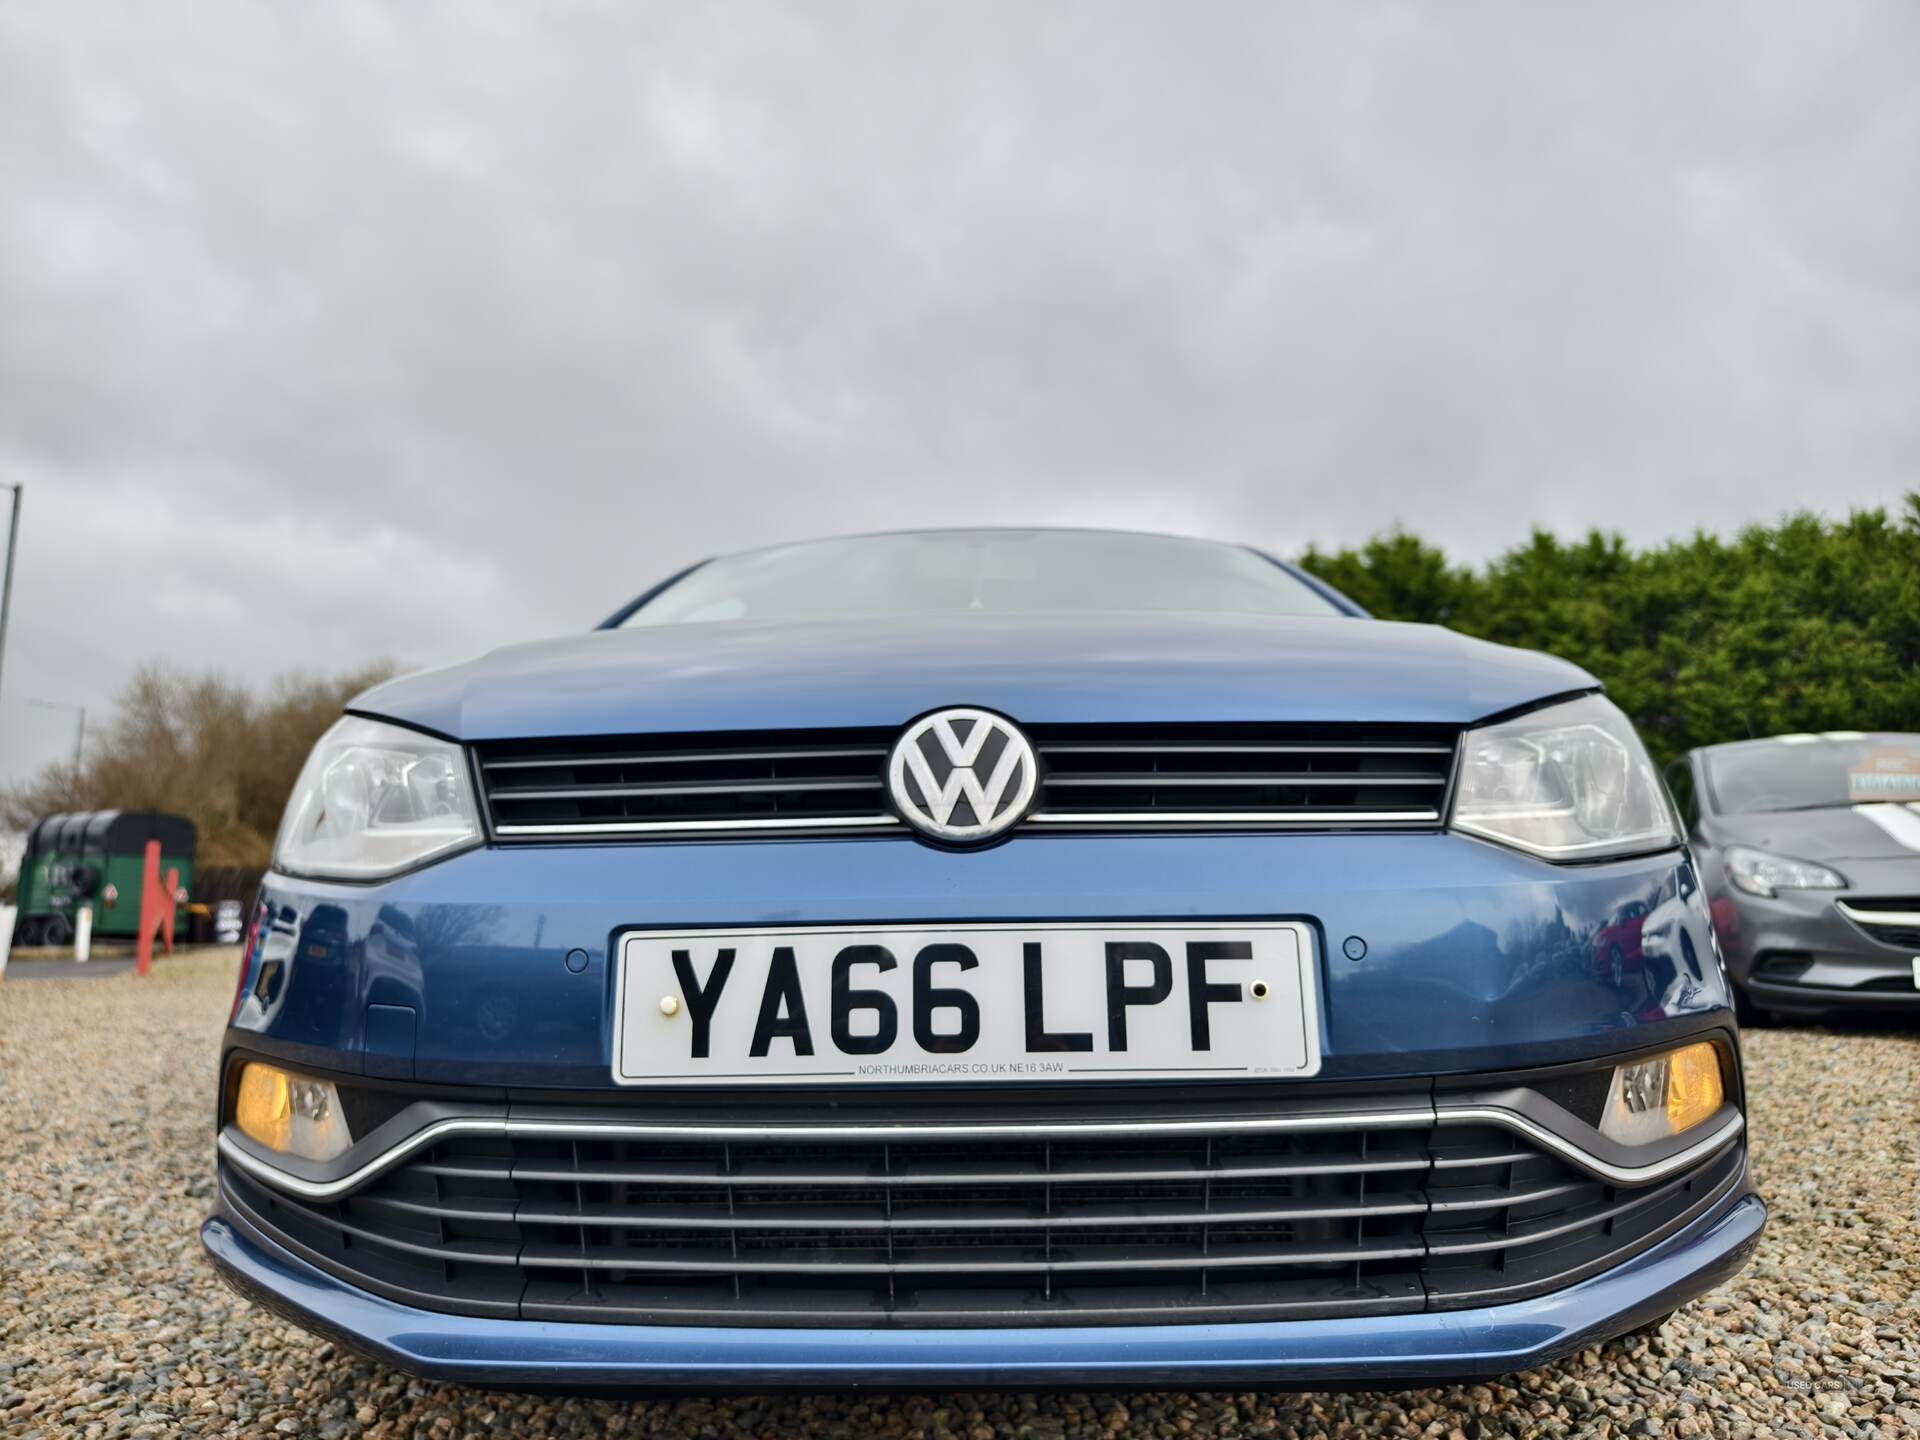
(961, 775)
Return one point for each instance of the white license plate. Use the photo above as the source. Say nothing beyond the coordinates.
(966, 1003)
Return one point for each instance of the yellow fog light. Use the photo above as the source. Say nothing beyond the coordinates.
(290, 1113)
(1665, 1096)
(263, 1110)
(1694, 1091)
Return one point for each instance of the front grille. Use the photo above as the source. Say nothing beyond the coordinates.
(951, 1232)
(1329, 775)
(1891, 920)
(1134, 777)
(647, 784)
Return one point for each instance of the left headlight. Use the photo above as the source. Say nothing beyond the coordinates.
(373, 800)
(1758, 873)
(1571, 782)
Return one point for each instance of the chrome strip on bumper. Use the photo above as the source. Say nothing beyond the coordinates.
(273, 1175)
(1723, 1135)
(626, 1130)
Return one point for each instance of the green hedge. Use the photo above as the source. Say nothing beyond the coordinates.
(1808, 625)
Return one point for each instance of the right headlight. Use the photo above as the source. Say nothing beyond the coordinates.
(375, 799)
(1570, 782)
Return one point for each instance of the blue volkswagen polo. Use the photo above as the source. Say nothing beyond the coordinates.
(975, 959)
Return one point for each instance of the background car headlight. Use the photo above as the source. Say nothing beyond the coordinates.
(1571, 782)
(374, 800)
(1759, 873)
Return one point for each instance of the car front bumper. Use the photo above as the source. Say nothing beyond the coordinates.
(1449, 968)
(1356, 1351)
(1797, 952)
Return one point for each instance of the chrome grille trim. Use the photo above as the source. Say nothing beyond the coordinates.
(1879, 917)
(1136, 777)
(1263, 819)
(695, 827)
(876, 752)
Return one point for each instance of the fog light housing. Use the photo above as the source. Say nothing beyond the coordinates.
(290, 1114)
(1666, 1096)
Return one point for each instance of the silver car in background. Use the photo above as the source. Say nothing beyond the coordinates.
(1809, 851)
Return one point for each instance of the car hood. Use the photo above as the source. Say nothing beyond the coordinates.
(1040, 669)
(1856, 832)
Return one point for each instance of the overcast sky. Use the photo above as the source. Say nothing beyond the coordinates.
(332, 331)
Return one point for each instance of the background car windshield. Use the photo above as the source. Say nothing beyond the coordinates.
(983, 571)
(1814, 772)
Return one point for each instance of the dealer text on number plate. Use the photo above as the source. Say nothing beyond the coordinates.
(841, 1005)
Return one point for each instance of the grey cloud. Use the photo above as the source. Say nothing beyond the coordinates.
(337, 330)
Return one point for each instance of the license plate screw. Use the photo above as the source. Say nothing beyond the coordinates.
(669, 1005)
(1259, 989)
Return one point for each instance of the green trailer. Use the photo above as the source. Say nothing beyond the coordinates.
(96, 861)
(31, 896)
(46, 894)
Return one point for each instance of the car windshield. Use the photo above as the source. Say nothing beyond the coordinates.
(982, 570)
(1812, 772)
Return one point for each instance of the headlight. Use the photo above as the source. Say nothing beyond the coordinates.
(1571, 782)
(290, 1113)
(374, 800)
(1759, 873)
(1665, 1096)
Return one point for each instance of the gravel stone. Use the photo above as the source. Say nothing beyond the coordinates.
(113, 1324)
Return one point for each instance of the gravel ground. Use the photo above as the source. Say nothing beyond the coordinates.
(111, 1323)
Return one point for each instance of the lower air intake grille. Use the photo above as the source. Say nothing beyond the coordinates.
(986, 1232)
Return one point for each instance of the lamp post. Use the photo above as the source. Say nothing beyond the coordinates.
(6, 581)
(79, 739)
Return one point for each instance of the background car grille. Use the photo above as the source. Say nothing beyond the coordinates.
(1869, 913)
(1110, 776)
(944, 1232)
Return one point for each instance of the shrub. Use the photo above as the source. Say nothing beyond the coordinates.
(1807, 625)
